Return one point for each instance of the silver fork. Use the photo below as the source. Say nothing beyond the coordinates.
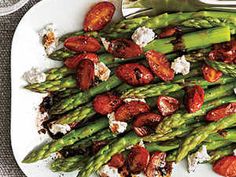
(134, 8)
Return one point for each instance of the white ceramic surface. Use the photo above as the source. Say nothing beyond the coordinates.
(27, 52)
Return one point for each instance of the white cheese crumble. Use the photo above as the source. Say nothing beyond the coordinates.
(235, 90)
(234, 152)
(180, 65)
(142, 36)
(198, 157)
(105, 43)
(127, 100)
(34, 75)
(59, 128)
(141, 143)
(139, 175)
(102, 71)
(107, 171)
(50, 38)
(116, 126)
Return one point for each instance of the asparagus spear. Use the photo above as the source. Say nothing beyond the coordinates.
(221, 152)
(61, 54)
(182, 116)
(52, 86)
(58, 73)
(201, 133)
(79, 33)
(67, 92)
(229, 135)
(70, 103)
(164, 88)
(68, 164)
(66, 140)
(228, 69)
(105, 154)
(190, 41)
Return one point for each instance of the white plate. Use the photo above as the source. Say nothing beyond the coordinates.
(27, 52)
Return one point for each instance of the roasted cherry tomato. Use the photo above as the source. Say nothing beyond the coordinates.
(160, 65)
(85, 74)
(97, 145)
(210, 74)
(167, 105)
(138, 159)
(72, 62)
(134, 74)
(124, 172)
(225, 52)
(99, 16)
(194, 98)
(124, 48)
(82, 44)
(226, 166)
(106, 103)
(168, 32)
(143, 121)
(157, 166)
(221, 112)
(128, 110)
(117, 161)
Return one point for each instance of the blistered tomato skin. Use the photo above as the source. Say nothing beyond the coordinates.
(157, 166)
(159, 65)
(138, 159)
(99, 16)
(168, 32)
(210, 74)
(226, 166)
(82, 44)
(167, 105)
(134, 74)
(128, 110)
(85, 74)
(106, 103)
(72, 62)
(124, 48)
(144, 122)
(221, 112)
(194, 98)
(117, 161)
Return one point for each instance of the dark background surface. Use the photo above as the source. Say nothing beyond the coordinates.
(8, 24)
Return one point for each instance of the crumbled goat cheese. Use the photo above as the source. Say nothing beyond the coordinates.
(107, 171)
(34, 76)
(142, 36)
(199, 157)
(49, 38)
(180, 65)
(139, 175)
(116, 126)
(59, 128)
(126, 100)
(234, 152)
(102, 71)
(235, 90)
(141, 143)
(105, 43)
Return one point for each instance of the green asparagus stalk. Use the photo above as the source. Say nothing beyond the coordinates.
(190, 41)
(165, 88)
(58, 73)
(182, 116)
(61, 54)
(201, 133)
(74, 101)
(229, 135)
(68, 164)
(221, 152)
(67, 93)
(79, 33)
(66, 140)
(228, 69)
(105, 154)
(76, 116)
(53, 86)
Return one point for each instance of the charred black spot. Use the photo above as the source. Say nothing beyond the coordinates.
(46, 104)
(138, 73)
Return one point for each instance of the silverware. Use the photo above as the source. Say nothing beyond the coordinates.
(131, 8)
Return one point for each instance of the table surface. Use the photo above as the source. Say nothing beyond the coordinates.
(8, 24)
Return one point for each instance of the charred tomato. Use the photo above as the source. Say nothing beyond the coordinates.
(226, 166)
(210, 74)
(167, 105)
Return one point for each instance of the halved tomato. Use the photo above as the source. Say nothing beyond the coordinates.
(210, 74)
(167, 105)
(226, 166)
(117, 161)
(160, 65)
